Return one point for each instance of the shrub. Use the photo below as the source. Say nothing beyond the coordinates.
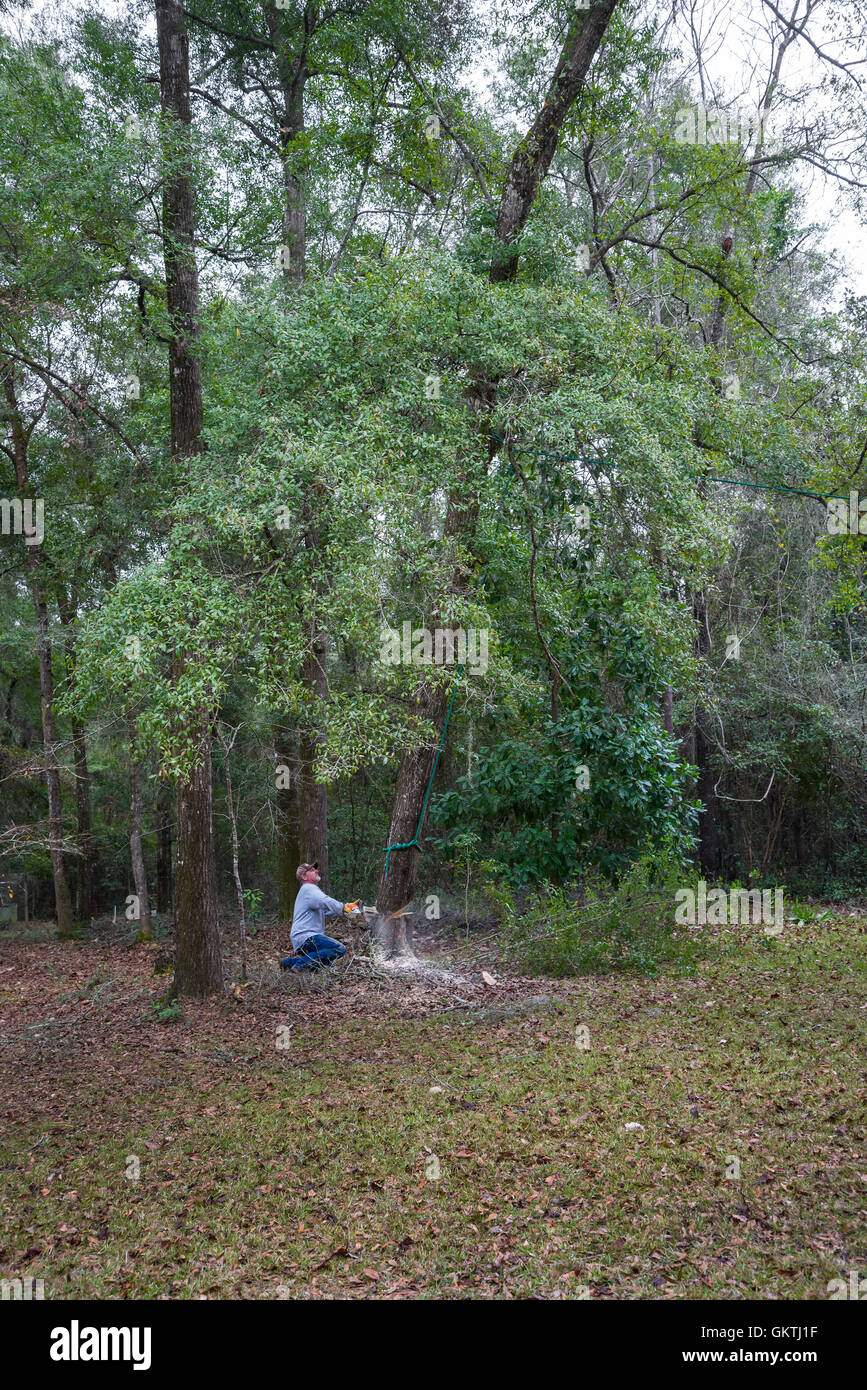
(591, 928)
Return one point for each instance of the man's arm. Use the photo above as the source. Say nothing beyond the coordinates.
(332, 907)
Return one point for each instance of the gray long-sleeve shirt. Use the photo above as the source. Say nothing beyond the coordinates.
(312, 906)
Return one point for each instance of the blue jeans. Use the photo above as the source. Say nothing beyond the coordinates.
(315, 951)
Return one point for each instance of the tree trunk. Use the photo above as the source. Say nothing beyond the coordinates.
(313, 795)
(294, 191)
(293, 74)
(289, 852)
(529, 165)
(85, 865)
(668, 711)
(396, 888)
(139, 874)
(198, 959)
(532, 157)
(84, 837)
(707, 825)
(556, 684)
(8, 714)
(164, 848)
(62, 897)
(182, 277)
(198, 962)
(236, 870)
(290, 49)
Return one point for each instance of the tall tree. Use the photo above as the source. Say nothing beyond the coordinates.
(528, 166)
(198, 961)
(287, 57)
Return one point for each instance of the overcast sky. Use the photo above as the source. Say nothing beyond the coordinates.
(736, 52)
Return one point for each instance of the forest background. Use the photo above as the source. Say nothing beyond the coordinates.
(318, 320)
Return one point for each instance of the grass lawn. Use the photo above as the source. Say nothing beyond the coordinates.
(367, 1137)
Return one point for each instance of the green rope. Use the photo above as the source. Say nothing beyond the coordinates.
(763, 487)
(414, 841)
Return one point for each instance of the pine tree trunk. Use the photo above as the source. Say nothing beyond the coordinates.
(289, 35)
(709, 855)
(709, 846)
(302, 808)
(7, 718)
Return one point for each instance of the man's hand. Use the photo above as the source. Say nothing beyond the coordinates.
(352, 909)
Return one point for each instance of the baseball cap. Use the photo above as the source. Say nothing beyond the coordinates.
(302, 869)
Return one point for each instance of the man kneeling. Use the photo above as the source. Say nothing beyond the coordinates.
(313, 948)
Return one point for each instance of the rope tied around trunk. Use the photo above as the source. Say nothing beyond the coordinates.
(387, 850)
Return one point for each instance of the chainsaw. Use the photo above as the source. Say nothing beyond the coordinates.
(360, 909)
